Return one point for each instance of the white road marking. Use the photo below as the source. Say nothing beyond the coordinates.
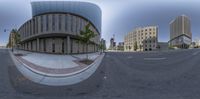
(155, 59)
(129, 57)
(105, 77)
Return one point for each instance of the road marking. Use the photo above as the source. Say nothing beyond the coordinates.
(195, 53)
(105, 77)
(130, 57)
(155, 59)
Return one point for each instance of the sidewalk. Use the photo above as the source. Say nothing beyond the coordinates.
(52, 65)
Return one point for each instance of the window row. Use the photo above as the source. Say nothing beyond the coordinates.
(53, 23)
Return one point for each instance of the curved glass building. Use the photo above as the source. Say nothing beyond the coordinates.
(56, 25)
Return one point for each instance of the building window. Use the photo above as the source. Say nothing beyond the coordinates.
(31, 45)
(62, 45)
(33, 26)
(41, 20)
(72, 23)
(53, 22)
(59, 22)
(44, 43)
(47, 22)
(36, 25)
(66, 19)
(53, 45)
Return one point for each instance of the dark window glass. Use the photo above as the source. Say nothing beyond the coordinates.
(33, 26)
(59, 22)
(47, 22)
(36, 25)
(53, 45)
(44, 41)
(62, 45)
(66, 19)
(53, 22)
(41, 23)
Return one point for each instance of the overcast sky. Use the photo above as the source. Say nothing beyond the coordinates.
(118, 16)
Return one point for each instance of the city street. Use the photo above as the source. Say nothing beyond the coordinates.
(121, 75)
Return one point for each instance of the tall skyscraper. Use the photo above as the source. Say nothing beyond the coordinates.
(180, 32)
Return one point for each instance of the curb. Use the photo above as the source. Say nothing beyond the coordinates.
(58, 80)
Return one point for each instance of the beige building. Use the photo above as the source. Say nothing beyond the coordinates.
(55, 27)
(142, 39)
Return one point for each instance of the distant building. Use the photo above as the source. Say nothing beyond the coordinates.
(103, 42)
(120, 46)
(162, 46)
(142, 39)
(112, 44)
(11, 41)
(180, 32)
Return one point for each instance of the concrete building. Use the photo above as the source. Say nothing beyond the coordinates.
(120, 46)
(11, 41)
(142, 39)
(180, 32)
(112, 44)
(163, 46)
(55, 27)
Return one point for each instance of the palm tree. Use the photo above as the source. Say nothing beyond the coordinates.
(86, 35)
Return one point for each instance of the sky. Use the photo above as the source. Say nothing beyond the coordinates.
(119, 17)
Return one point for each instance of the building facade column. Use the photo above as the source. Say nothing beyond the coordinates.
(38, 44)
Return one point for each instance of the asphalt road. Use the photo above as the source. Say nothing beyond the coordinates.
(149, 75)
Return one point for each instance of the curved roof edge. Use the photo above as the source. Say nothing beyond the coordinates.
(90, 11)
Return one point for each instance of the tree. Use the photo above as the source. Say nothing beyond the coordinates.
(135, 46)
(17, 39)
(102, 47)
(86, 35)
(14, 38)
